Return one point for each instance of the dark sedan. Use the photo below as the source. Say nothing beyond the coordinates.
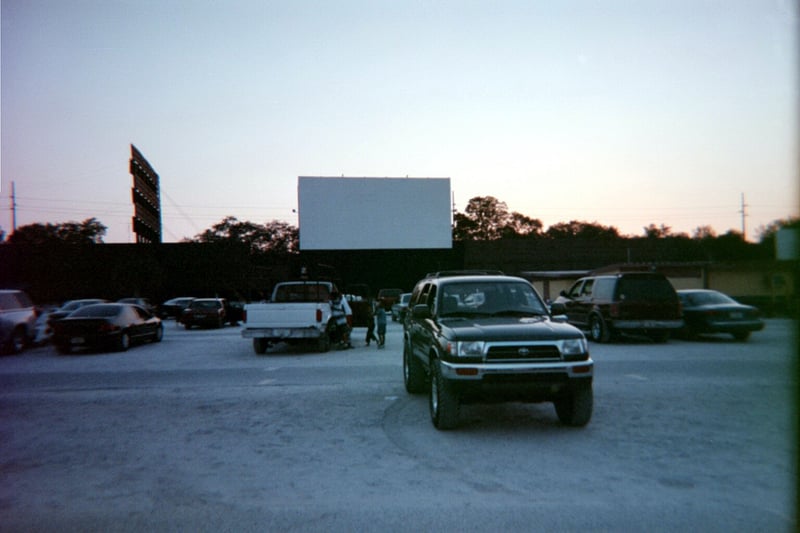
(174, 307)
(70, 306)
(106, 326)
(707, 311)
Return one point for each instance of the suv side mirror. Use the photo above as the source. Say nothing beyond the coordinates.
(421, 312)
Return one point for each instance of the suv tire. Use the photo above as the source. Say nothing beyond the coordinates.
(598, 329)
(443, 402)
(413, 372)
(576, 409)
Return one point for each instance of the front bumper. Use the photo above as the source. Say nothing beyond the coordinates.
(516, 382)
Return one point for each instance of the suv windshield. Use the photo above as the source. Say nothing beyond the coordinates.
(489, 299)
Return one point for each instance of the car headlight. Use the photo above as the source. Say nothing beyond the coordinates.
(467, 348)
(574, 349)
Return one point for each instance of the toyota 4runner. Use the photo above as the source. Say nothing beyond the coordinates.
(490, 338)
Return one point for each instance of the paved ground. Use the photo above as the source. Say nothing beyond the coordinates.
(198, 433)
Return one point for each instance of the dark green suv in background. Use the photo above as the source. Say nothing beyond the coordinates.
(632, 302)
(490, 338)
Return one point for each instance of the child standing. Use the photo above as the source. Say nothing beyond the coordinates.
(371, 324)
(380, 316)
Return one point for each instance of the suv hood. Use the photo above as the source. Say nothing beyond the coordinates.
(507, 329)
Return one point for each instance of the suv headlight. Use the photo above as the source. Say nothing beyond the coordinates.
(575, 349)
(467, 348)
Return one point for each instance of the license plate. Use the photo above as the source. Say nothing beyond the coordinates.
(736, 314)
(78, 340)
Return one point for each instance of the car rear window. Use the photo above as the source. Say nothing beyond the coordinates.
(97, 311)
(311, 292)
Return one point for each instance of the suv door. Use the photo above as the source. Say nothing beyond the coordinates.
(578, 302)
(420, 331)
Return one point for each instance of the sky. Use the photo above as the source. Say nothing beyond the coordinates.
(621, 112)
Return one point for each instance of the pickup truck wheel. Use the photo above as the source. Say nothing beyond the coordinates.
(576, 409)
(17, 341)
(444, 404)
(260, 345)
(413, 373)
(324, 343)
(598, 330)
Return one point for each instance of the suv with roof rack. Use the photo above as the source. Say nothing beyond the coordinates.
(479, 338)
(631, 302)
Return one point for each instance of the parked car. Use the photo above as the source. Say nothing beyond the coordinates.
(400, 307)
(205, 312)
(173, 308)
(490, 338)
(60, 312)
(71, 305)
(631, 302)
(234, 311)
(17, 321)
(388, 297)
(707, 311)
(141, 302)
(106, 326)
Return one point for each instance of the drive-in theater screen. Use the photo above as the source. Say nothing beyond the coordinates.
(374, 213)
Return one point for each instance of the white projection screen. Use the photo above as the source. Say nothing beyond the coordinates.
(373, 213)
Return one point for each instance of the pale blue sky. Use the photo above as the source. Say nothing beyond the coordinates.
(625, 113)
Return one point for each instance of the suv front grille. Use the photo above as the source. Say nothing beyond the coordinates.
(523, 352)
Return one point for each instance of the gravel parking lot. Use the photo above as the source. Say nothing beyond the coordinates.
(199, 433)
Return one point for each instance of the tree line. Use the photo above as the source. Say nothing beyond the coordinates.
(485, 218)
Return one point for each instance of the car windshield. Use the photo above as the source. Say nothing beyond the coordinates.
(486, 298)
(97, 311)
(708, 298)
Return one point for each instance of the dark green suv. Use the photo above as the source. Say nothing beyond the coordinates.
(490, 338)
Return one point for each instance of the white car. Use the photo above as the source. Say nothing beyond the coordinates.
(400, 307)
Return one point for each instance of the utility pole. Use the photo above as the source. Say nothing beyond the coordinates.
(13, 208)
(743, 212)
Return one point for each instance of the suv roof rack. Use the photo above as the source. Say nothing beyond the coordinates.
(450, 273)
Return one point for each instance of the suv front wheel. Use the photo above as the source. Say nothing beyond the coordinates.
(413, 372)
(576, 408)
(444, 403)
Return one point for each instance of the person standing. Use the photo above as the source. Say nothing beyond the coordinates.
(343, 318)
(371, 323)
(380, 316)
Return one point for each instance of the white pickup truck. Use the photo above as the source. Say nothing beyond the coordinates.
(299, 311)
